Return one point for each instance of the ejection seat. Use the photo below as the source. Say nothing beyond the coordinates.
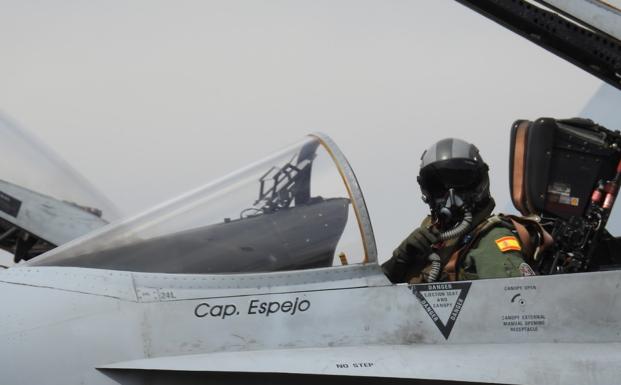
(554, 168)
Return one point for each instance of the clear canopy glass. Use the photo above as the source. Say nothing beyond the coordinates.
(28, 163)
(299, 208)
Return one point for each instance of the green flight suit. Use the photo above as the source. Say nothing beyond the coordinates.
(485, 259)
(481, 256)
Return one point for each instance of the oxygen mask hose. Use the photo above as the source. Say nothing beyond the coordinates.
(457, 231)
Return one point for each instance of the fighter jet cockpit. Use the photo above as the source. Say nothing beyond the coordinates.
(299, 208)
(44, 202)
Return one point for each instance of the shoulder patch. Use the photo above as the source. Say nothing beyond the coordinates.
(526, 270)
(508, 243)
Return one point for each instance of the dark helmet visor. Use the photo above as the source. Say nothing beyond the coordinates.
(458, 174)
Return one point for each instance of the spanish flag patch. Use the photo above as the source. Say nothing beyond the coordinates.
(508, 243)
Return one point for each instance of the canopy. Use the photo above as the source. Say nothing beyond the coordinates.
(29, 164)
(298, 208)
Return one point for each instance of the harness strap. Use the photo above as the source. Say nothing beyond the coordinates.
(525, 239)
(531, 249)
(451, 266)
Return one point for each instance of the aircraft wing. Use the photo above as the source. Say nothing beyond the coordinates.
(474, 364)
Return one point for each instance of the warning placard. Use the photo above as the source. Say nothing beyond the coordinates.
(442, 302)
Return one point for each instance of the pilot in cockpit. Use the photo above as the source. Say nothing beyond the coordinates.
(460, 239)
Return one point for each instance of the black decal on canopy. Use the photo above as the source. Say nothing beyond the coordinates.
(9, 205)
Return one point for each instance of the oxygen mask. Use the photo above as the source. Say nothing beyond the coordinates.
(449, 210)
(450, 192)
(452, 217)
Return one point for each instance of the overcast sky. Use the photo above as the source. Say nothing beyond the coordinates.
(150, 98)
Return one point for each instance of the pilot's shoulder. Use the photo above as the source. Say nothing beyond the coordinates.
(499, 238)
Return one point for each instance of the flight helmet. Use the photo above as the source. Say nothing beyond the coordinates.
(453, 179)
